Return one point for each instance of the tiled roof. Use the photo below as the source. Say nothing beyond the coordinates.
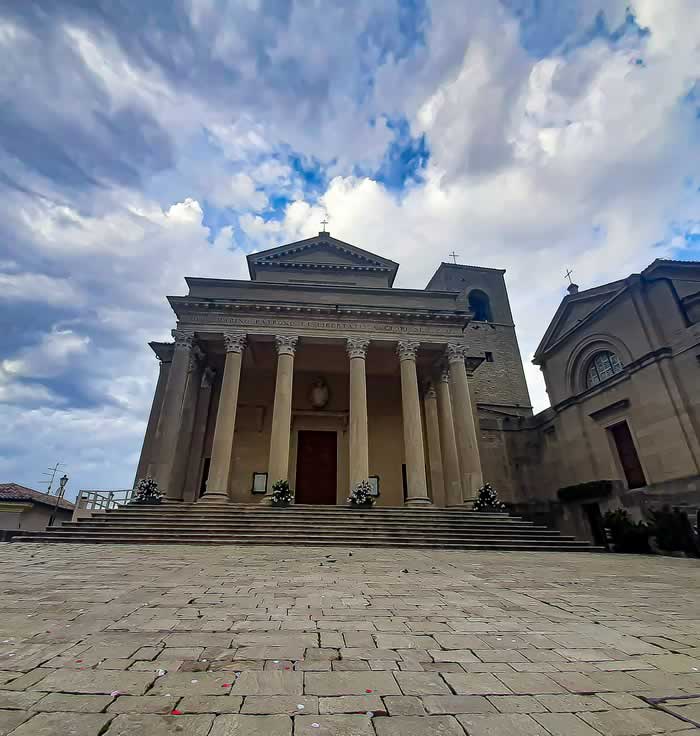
(16, 492)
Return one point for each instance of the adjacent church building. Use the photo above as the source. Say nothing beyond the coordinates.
(319, 372)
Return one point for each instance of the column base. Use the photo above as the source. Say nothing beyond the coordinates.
(418, 502)
(214, 497)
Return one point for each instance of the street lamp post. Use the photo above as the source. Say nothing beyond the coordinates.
(59, 496)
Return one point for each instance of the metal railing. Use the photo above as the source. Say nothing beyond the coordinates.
(89, 501)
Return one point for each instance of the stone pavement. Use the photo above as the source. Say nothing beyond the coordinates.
(275, 641)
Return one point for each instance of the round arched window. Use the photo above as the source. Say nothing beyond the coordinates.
(602, 366)
(480, 305)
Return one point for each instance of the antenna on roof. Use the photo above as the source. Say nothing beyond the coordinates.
(51, 472)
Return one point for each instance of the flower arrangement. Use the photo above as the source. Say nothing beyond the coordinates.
(361, 495)
(488, 500)
(147, 492)
(281, 493)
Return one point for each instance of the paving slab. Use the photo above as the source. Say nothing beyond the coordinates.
(453, 704)
(565, 724)
(350, 683)
(96, 682)
(10, 719)
(284, 704)
(210, 704)
(73, 703)
(128, 724)
(350, 704)
(333, 725)
(504, 724)
(633, 722)
(193, 683)
(248, 634)
(270, 682)
(268, 725)
(418, 726)
(75, 724)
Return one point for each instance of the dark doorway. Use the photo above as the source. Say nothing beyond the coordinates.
(595, 521)
(317, 468)
(205, 476)
(627, 452)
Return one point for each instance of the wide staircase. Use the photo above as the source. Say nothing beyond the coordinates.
(228, 523)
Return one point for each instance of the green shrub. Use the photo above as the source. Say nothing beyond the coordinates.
(672, 530)
(627, 535)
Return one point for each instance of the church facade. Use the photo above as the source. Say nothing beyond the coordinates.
(317, 371)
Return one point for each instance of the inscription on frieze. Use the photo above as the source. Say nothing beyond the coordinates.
(271, 324)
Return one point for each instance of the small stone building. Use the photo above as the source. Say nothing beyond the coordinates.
(26, 509)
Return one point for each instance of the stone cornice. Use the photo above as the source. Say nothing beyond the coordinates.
(182, 305)
(321, 266)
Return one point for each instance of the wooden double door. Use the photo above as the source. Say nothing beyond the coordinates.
(317, 467)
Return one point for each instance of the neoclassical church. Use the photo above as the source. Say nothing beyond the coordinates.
(318, 371)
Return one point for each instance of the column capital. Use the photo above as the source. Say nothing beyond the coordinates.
(455, 352)
(183, 340)
(407, 349)
(444, 376)
(430, 392)
(356, 347)
(286, 345)
(235, 342)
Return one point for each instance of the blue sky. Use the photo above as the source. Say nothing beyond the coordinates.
(144, 142)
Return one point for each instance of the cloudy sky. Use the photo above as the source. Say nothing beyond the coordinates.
(142, 142)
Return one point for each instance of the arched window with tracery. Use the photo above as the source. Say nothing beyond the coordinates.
(480, 305)
(601, 366)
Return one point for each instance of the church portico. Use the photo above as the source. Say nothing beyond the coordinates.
(320, 384)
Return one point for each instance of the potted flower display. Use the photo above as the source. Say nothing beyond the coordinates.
(281, 493)
(488, 500)
(147, 492)
(361, 496)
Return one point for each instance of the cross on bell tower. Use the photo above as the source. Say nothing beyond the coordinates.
(324, 222)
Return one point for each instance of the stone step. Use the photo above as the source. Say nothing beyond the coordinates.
(187, 524)
(476, 544)
(301, 537)
(291, 512)
(312, 508)
(294, 519)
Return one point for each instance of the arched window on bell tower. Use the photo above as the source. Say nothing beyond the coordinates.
(480, 305)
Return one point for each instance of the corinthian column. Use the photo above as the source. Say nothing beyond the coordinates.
(171, 411)
(417, 492)
(156, 407)
(222, 445)
(432, 431)
(448, 443)
(359, 446)
(465, 429)
(278, 467)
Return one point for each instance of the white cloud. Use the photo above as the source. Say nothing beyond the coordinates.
(38, 287)
(239, 192)
(576, 160)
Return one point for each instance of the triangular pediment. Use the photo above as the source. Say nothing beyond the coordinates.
(575, 310)
(321, 253)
